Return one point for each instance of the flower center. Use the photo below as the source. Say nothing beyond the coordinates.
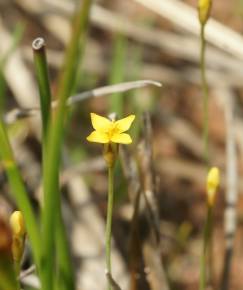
(113, 130)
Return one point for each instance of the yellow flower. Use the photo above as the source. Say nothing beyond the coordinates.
(213, 180)
(107, 131)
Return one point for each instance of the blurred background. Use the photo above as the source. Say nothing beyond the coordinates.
(160, 179)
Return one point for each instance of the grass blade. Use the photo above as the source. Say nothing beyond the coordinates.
(40, 62)
(17, 36)
(117, 73)
(51, 169)
(19, 192)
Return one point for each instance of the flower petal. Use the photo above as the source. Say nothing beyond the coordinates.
(125, 123)
(98, 137)
(100, 123)
(121, 138)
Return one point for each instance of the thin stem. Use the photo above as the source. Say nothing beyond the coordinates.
(109, 221)
(210, 253)
(207, 233)
(205, 127)
(17, 272)
(205, 95)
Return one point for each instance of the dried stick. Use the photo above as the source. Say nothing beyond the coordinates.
(184, 16)
(182, 46)
(16, 114)
(151, 246)
(231, 191)
(145, 251)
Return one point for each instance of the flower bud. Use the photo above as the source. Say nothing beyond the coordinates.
(204, 8)
(18, 235)
(17, 224)
(213, 180)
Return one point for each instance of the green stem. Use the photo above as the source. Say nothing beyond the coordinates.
(65, 276)
(109, 220)
(207, 234)
(41, 68)
(17, 272)
(55, 137)
(210, 254)
(205, 95)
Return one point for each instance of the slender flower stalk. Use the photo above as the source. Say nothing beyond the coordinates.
(111, 134)
(213, 180)
(205, 94)
(109, 219)
(204, 8)
(206, 241)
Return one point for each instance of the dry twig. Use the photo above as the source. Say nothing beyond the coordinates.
(231, 197)
(95, 93)
(185, 17)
